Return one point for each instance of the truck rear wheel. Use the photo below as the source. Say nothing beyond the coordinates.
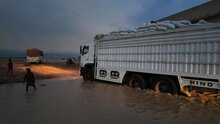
(166, 85)
(136, 81)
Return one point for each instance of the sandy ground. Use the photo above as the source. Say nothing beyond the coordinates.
(53, 69)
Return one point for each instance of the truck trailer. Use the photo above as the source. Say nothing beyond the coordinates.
(173, 60)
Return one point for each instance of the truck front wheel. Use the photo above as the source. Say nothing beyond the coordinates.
(136, 81)
(165, 85)
(88, 75)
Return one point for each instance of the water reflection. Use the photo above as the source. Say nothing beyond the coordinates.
(155, 106)
(75, 101)
(30, 97)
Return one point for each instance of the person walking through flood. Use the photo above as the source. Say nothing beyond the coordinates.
(10, 67)
(29, 79)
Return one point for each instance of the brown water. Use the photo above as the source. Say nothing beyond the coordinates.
(72, 101)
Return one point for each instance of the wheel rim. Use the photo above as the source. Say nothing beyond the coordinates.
(86, 76)
(134, 83)
(89, 76)
(163, 87)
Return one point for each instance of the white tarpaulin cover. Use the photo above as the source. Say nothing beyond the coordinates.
(153, 26)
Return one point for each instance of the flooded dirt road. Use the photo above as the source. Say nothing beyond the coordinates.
(69, 101)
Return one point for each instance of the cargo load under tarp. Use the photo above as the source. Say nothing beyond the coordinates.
(34, 55)
(34, 52)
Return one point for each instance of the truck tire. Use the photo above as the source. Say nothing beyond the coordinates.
(166, 85)
(136, 81)
(88, 75)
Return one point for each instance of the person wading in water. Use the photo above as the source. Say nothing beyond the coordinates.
(10, 67)
(29, 79)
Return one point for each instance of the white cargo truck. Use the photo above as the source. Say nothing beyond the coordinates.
(167, 61)
(34, 55)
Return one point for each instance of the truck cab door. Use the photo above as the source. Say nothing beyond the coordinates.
(87, 55)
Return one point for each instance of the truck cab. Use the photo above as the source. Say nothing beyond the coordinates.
(87, 61)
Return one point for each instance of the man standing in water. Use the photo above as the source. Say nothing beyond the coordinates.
(29, 79)
(10, 67)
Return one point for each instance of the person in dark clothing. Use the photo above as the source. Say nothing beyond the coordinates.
(29, 79)
(10, 67)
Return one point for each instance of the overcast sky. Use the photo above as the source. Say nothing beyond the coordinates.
(63, 25)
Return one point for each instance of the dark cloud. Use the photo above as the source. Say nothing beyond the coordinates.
(36, 17)
(62, 25)
(157, 9)
(36, 23)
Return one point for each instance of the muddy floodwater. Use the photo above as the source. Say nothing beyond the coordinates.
(73, 101)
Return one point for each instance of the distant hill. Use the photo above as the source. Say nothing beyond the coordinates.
(11, 54)
(60, 55)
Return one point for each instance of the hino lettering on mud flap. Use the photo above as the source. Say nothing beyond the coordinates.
(201, 83)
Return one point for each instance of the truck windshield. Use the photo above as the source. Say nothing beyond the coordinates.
(85, 50)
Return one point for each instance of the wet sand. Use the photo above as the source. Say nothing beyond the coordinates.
(47, 70)
(70, 101)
